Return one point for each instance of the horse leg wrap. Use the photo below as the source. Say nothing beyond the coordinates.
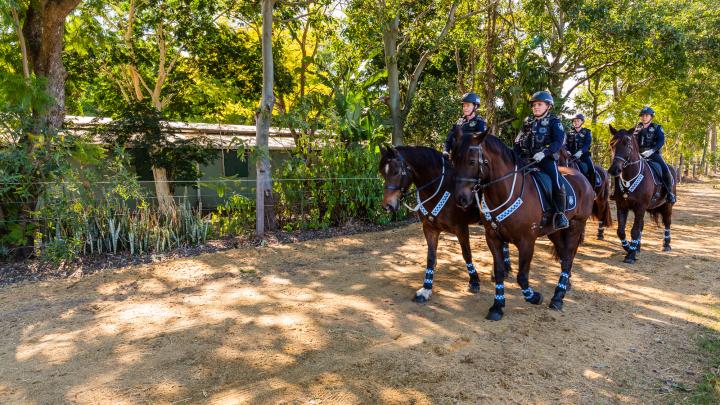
(499, 295)
(625, 245)
(428, 279)
(474, 279)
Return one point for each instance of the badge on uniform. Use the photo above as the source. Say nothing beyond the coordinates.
(560, 125)
(651, 129)
(472, 123)
(544, 121)
(542, 130)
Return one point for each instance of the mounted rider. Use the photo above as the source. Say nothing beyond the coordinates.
(469, 123)
(578, 141)
(651, 138)
(540, 139)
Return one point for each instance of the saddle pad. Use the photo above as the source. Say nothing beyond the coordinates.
(544, 189)
(656, 171)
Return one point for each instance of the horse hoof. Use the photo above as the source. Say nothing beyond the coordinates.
(600, 237)
(629, 260)
(420, 299)
(626, 249)
(474, 288)
(536, 299)
(494, 315)
(667, 248)
(556, 305)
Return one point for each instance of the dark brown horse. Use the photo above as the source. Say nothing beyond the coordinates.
(638, 192)
(601, 206)
(488, 169)
(434, 179)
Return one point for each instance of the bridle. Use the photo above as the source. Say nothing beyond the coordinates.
(479, 185)
(626, 162)
(404, 170)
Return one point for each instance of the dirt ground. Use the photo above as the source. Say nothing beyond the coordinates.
(331, 321)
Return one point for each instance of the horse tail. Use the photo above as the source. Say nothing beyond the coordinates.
(601, 205)
(655, 213)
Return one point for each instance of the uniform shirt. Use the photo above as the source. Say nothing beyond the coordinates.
(652, 137)
(545, 134)
(468, 126)
(578, 140)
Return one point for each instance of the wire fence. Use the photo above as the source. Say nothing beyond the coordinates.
(95, 220)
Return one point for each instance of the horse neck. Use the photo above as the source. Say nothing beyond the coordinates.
(421, 171)
(632, 171)
(500, 166)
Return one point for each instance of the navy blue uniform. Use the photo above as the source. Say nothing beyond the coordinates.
(580, 141)
(468, 126)
(653, 138)
(545, 135)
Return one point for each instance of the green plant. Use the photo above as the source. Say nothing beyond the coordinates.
(236, 216)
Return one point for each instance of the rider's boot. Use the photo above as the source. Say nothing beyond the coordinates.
(560, 221)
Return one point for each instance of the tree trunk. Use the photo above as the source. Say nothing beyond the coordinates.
(680, 169)
(391, 32)
(43, 31)
(21, 42)
(489, 80)
(162, 189)
(713, 147)
(264, 207)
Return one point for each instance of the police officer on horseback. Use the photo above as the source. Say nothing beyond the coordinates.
(469, 123)
(651, 138)
(577, 142)
(540, 139)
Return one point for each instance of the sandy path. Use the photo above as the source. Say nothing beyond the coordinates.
(331, 321)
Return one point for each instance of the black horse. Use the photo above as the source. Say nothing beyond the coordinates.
(434, 179)
(638, 192)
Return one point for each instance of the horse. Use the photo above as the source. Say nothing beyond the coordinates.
(513, 211)
(637, 192)
(601, 205)
(433, 176)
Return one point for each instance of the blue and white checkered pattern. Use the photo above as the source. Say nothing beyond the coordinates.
(428, 278)
(562, 284)
(503, 215)
(636, 182)
(438, 207)
(471, 268)
(528, 293)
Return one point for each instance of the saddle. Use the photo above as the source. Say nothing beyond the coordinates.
(543, 185)
(656, 171)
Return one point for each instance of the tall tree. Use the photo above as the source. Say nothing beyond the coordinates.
(265, 215)
(41, 42)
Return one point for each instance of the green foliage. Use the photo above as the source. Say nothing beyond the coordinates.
(436, 108)
(336, 184)
(235, 216)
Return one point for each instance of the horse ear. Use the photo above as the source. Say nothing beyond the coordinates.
(383, 151)
(613, 130)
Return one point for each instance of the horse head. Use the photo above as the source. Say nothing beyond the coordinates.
(624, 148)
(396, 174)
(471, 166)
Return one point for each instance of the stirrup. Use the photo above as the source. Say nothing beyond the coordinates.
(560, 221)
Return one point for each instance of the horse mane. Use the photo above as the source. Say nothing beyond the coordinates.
(492, 143)
(429, 157)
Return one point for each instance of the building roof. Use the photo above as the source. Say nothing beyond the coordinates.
(224, 135)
